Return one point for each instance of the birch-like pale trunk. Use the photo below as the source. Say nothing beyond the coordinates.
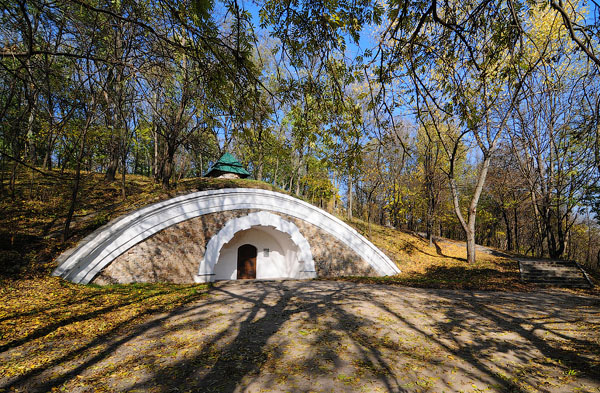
(350, 185)
(468, 224)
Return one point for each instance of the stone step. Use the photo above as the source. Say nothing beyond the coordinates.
(585, 285)
(562, 284)
(537, 270)
(548, 264)
(556, 273)
(552, 269)
(552, 266)
(557, 276)
(551, 278)
(543, 262)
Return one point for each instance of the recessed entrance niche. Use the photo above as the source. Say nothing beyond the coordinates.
(240, 259)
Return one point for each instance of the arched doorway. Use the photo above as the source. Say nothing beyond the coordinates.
(246, 262)
(281, 250)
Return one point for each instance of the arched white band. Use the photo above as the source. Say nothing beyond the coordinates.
(100, 248)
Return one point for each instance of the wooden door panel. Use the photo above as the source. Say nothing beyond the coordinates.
(246, 262)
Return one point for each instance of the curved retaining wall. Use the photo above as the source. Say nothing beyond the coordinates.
(99, 249)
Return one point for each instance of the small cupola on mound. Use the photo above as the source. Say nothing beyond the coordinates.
(227, 167)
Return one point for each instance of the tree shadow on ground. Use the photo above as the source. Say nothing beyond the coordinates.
(323, 336)
(476, 325)
(76, 356)
(14, 248)
(463, 332)
(455, 277)
(465, 274)
(500, 254)
(250, 350)
(439, 251)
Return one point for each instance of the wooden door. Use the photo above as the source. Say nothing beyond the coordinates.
(246, 262)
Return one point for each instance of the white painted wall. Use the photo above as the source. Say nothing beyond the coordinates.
(282, 261)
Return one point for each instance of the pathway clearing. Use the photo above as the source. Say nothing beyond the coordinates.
(324, 336)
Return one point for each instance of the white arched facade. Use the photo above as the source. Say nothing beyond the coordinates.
(82, 263)
(288, 254)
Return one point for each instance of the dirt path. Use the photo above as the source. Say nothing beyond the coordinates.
(323, 336)
(478, 248)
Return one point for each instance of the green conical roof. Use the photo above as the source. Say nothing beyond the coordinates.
(227, 164)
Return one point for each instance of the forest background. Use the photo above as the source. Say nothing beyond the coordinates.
(472, 120)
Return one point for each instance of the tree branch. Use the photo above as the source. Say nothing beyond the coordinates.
(569, 25)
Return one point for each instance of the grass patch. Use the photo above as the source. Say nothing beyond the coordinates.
(442, 265)
(44, 321)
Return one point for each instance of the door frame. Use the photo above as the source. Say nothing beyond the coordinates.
(250, 274)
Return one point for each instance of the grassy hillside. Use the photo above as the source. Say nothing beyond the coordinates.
(442, 265)
(32, 222)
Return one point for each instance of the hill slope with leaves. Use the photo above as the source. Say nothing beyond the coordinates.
(32, 222)
(33, 219)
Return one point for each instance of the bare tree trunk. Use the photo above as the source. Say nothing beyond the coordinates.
(13, 180)
(469, 224)
(148, 163)
(260, 157)
(167, 164)
(123, 172)
(350, 197)
(154, 133)
(75, 190)
(201, 166)
(113, 161)
(167, 171)
(48, 156)
(136, 162)
(588, 253)
(428, 169)
(32, 98)
(430, 211)
(509, 243)
(50, 109)
(155, 169)
(276, 170)
(2, 166)
(113, 145)
(30, 152)
(516, 227)
(259, 169)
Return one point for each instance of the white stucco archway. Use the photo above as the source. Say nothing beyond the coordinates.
(82, 263)
(264, 219)
(276, 257)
